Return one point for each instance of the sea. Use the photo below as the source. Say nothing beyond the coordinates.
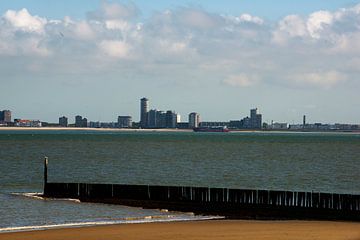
(319, 162)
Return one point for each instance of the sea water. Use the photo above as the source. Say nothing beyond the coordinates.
(326, 162)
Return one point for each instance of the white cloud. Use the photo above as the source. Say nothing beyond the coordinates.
(83, 31)
(289, 27)
(116, 49)
(317, 21)
(325, 79)
(241, 80)
(117, 25)
(22, 20)
(193, 38)
(253, 19)
(197, 19)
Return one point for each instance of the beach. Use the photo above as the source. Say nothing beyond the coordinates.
(213, 229)
(92, 129)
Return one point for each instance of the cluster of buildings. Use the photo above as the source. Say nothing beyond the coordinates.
(159, 119)
(82, 122)
(153, 119)
(6, 120)
(149, 118)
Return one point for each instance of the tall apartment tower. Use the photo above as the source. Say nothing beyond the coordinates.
(5, 116)
(255, 119)
(304, 120)
(78, 121)
(170, 119)
(194, 120)
(63, 121)
(144, 106)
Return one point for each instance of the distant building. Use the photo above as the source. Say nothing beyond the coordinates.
(108, 125)
(144, 106)
(124, 122)
(235, 124)
(5, 116)
(27, 123)
(170, 119)
(194, 120)
(80, 121)
(95, 124)
(156, 119)
(178, 118)
(296, 126)
(153, 118)
(279, 126)
(255, 119)
(161, 119)
(84, 122)
(63, 121)
(246, 123)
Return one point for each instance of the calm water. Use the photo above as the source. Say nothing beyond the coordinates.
(285, 161)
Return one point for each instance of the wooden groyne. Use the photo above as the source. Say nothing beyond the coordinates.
(231, 203)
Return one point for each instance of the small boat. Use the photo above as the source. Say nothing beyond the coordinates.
(211, 129)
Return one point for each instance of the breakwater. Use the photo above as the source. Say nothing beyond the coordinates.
(231, 203)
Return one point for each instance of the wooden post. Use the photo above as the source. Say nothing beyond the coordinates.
(46, 161)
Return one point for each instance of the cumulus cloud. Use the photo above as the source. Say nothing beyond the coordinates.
(325, 79)
(83, 31)
(117, 49)
(194, 18)
(248, 18)
(317, 21)
(22, 20)
(232, 46)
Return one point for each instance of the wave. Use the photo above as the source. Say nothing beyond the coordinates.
(170, 217)
(37, 195)
(128, 220)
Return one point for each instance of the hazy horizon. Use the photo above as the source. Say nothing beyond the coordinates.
(98, 58)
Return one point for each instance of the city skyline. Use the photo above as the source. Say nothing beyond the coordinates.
(287, 59)
(153, 118)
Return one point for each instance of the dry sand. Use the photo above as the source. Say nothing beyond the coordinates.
(94, 129)
(215, 229)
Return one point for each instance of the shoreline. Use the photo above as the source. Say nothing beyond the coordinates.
(202, 229)
(3, 129)
(91, 129)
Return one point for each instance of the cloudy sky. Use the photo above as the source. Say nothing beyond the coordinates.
(219, 58)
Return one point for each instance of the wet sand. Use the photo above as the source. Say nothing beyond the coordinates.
(214, 229)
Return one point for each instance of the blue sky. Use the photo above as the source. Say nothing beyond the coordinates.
(218, 58)
(263, 8)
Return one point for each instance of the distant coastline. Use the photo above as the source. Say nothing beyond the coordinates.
(4, 128)
(93, 129)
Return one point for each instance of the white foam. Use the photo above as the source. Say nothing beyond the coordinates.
(177, 216)
(39, 196)
(134, 220)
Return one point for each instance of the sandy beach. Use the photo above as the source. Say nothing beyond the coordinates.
(214, 229)
(92, 129)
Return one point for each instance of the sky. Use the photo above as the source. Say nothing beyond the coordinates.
(217, 58)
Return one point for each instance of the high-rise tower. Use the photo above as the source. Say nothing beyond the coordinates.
(194, 120)
(144, 106)
(255, 118)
